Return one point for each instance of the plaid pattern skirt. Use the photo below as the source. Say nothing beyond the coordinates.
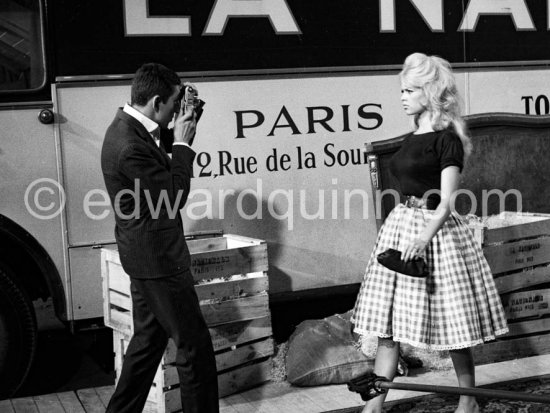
(456, 306)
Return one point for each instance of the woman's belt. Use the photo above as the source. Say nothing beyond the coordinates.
(412, 201)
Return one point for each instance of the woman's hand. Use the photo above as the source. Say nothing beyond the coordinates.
(414, 249)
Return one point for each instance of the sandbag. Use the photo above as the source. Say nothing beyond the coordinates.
(325, 352)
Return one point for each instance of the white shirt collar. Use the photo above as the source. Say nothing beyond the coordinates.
(149, 124)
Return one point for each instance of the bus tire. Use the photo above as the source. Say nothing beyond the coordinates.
(18, 334)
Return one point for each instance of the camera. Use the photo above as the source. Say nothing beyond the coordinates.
(190, 97)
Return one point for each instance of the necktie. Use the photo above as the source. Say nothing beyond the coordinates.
(156, 135)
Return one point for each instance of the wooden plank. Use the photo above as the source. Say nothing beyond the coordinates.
(246, 308)
(219, 264)
(238, 241)
(228, 383)
(526, 304)
(90, 401)
(120, 321)
(233, 334)
(233, 288)
(228, 335)
(538, 226)
(516, 255)
(105, 285)
(118, 279)
(500, 350)
(120, 300)
(110, 253)
(70, 402)
(224, 361)
(243, 378)
(207, 244)
(243, 354)
(522, 279)
(48, 403)
(24, 405)
(6, 406)
(172, 401)
(105, 393)
(528, 327)
(223, 336)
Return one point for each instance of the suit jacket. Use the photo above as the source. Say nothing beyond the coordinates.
(147, 190)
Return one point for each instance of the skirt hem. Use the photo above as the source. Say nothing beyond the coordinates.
(435, 347)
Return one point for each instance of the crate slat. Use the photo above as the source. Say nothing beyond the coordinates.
(207, 244)
(523, 328)
(244, 354)
(120, 321)
(243, 378)
(224, 263)
(231, 334)
(534, 225)
(120, 300)
(233, 288)
(238, 241)
(118, 279)
(517, 255)
(501, 350)
(532, 303)
(524, 278)
(228, 383)
(246, 308)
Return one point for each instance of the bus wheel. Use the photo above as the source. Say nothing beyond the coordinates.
(18, 334)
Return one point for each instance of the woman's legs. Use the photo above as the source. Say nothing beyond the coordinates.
(463, 362)
(385, 364)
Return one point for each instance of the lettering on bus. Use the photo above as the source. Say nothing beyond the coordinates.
(224, 163)
(318, 118)
(540, 104)
(138, 22)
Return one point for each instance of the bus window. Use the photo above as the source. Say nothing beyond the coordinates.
(22, 63)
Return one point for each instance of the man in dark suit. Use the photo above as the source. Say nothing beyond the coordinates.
(147, 190)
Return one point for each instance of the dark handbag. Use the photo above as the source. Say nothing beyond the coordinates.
(391, 259)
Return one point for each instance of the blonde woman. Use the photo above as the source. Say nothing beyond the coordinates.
(457, 305)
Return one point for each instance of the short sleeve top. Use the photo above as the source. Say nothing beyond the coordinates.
(417, 165)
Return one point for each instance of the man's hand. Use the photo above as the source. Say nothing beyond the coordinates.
(185, 125)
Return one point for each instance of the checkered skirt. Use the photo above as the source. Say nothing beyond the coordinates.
(456, 306)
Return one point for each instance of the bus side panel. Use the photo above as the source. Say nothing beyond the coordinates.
(31, 195)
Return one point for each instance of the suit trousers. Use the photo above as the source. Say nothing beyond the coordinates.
(162, 308)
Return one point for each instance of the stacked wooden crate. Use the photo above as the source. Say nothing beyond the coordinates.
(517, 248)
(231, 282)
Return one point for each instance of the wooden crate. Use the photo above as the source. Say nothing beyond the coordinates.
(517, 248)
(231, 282)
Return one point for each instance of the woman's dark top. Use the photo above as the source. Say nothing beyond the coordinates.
(417, 165)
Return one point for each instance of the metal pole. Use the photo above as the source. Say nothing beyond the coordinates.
(467, 391)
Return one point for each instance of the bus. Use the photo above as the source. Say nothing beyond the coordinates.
(293, 89)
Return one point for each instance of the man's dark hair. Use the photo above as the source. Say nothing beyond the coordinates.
(153, 79)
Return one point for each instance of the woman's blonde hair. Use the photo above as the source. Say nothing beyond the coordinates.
(435, 77)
